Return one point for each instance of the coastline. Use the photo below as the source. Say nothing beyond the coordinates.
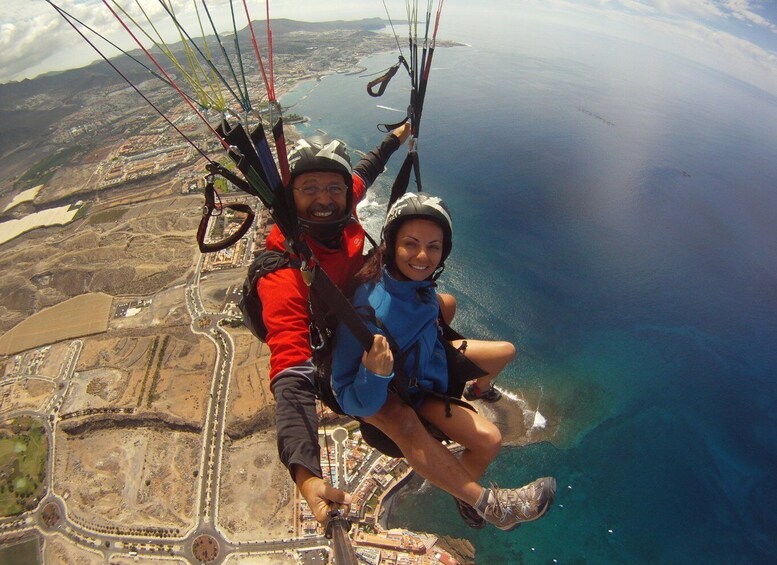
(519, 423)
(386, 502)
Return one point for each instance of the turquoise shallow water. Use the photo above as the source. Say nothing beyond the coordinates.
(614, 217)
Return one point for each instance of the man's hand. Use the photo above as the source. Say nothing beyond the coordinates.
(320, 495)
(402, 132)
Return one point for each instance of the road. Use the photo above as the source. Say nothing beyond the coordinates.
(124, 542)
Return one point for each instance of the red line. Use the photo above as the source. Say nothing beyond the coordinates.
(172, 82)
(271, 90)
(256, 49)
(437, 21)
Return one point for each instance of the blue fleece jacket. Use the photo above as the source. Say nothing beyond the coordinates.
(408, 310)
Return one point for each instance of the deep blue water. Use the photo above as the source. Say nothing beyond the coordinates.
(615, 216)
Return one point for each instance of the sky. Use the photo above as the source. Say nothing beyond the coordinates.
(738, 37)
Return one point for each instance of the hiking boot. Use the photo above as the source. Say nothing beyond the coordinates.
(473, 392)
(508, 508)
(469, 515)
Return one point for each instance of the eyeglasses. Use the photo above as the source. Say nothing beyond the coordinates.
(315, 190)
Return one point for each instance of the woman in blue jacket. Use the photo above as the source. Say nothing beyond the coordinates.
(398, 300)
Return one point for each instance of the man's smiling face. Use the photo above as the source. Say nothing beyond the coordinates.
(320, 196)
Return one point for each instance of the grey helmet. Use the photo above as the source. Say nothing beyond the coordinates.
(418, 205)
(322, 154)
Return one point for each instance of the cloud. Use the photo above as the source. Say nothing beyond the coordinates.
(34, 38)
(40, 40)
(26, 43)
(39, 34)
(706, 9)
(735, 37)
(742, 10)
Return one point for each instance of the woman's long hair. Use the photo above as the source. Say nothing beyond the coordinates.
(373, 266)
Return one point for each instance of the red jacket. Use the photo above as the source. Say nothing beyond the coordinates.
(284, 294)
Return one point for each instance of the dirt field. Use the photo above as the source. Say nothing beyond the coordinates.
(141, 477)
(28, 394)
(214, 285)
(167, 373)
(134, 250)
(251, 403)
(53, 360)
(62, 552)
(80, 316)
(257, 504)
(167, 308)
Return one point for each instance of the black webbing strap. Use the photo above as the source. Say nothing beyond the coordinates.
(326, 291)
(216, 169)
(401, 382)
(385, 78)
(410, 164)
(213, 208)
(246, 157)
(388, 128)
(261, 175)
(280, 148)
(337, 530)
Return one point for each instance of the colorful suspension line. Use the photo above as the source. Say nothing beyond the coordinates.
(276, 116)
(239, 98)
(206, 100)
(245, 103)
(66, 17)
(212, 207)
(418, 69)
(259, 171)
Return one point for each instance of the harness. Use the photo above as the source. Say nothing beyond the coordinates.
(328, 307)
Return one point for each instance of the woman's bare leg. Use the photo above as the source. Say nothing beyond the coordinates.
(426, 455)
(491, 356)
(480, 438)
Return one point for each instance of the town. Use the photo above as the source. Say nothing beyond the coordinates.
(151, 397)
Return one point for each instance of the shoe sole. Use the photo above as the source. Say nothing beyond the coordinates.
(483, 398)
(550, 489)
(469, 521)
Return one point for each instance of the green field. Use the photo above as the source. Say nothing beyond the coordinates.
(107, 216)
(23, 454)
(26, 552)
(44, 169)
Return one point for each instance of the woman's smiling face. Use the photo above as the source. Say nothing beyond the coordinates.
(418, 248)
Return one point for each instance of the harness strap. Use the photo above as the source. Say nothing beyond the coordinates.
(212, 209)
(403, 179)
(387, 128)
(322, 288)
(384, 79)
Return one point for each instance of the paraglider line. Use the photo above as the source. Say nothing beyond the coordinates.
(135, 88)
(256, 50)
(181, 28)
(223, 143)
(243, 95)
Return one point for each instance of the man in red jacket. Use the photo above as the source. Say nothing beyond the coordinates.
(324, 190)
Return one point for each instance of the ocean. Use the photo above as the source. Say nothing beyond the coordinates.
(614, 213)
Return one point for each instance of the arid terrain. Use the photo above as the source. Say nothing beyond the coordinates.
(154, 400)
